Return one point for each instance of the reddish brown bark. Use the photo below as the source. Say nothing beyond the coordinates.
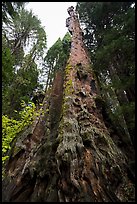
(68, 154)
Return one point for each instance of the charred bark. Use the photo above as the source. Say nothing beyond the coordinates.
(67, 155)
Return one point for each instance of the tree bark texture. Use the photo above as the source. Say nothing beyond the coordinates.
(67, 154)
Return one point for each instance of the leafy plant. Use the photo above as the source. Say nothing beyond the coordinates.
(11, 127)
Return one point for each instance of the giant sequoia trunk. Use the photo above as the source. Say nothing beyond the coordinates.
(67, 154)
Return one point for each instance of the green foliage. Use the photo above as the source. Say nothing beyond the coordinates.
(26, 79)
(109, 34)
(66, 42)
(10, 9)
(11, 127)
(57, 56)
(7, 64)
(25, 31)
(20, 71)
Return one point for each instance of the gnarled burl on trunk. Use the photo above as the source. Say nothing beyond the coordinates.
(67, 154)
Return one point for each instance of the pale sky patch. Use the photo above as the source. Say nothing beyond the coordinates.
(53, 17)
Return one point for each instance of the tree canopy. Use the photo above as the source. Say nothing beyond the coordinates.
(109, 34)
(23, 44)
(57, 57)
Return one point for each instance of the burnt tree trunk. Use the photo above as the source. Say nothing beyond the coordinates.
(67, 154)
